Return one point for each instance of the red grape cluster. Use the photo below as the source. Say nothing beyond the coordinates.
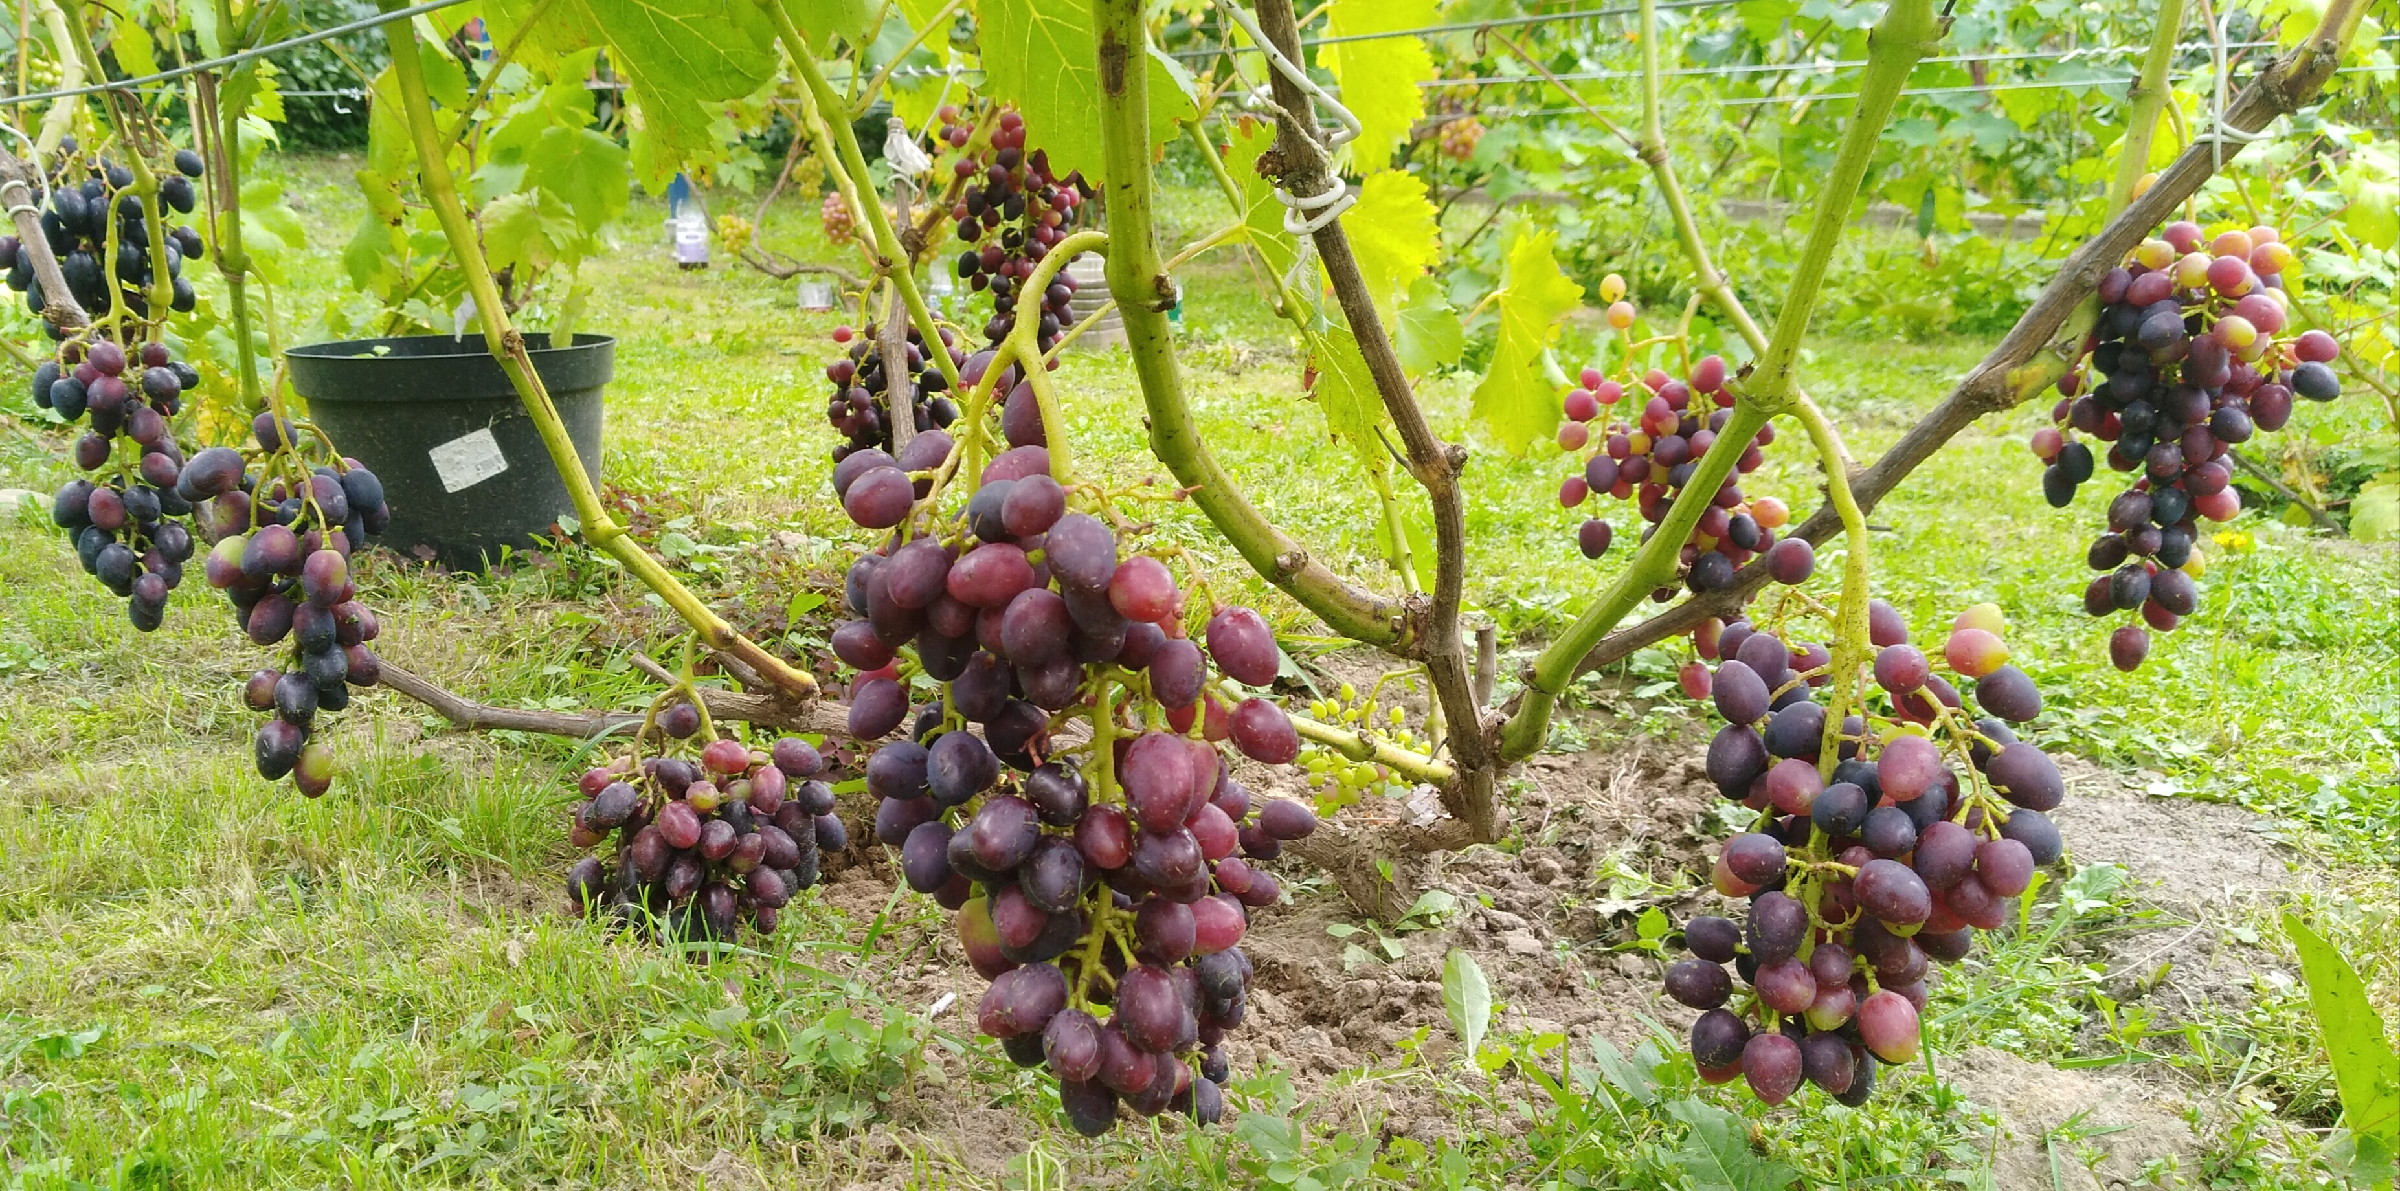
(1009, 210)
(1651, 458)
(2184, 365)
(1881, 842)
(283, 535)
(861, 405)
(704, 839)
(77, 227)
(1063, 788)
(131, 522)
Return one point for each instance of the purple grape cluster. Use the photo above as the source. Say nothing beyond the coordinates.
(1009, 211)
(131, 523)
(77, 227)
(2183, 366)
(1101, 882)
(860, 408)
(283, 535)
(1651, 459)
(706, 837)
(1880, 845)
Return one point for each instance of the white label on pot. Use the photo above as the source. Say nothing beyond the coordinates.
(468, 460)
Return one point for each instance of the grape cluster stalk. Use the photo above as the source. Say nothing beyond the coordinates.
(710, 832)
(284, 520)
(2184, 365)
(1649, 458)
(1061, 783)
(1891, 826)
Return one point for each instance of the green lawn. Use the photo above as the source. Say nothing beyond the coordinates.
(208, 981)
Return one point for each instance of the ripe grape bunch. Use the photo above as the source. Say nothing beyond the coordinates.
(2184, 365)
(706, 838)
(1879, 845)
(1009, 210)
(1064, 792)
(131, 522)
(861, 405)
(1650, 460)
(80, 233)
(284, 530)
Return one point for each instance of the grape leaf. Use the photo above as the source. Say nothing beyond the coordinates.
(1260, 211)
(1467, 998)
(1346, 393)
(585, 168)
(2365, 1069)
(683, 60)
(820, 21)
(1717, 1155)
(1514, 401)
(1392, 233)
(1379, 78)
(1428, 334)
(1041, 56)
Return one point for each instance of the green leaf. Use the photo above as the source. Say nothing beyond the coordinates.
(1261, 214)
(584, 168)
(1514, 401)
(803, 603)
(1392, 231)
(1346, 395)
(820, 21)
(1040, 56)
(1428, 334)
(1717, 1155)
(1630, 1076)
(2365, 1069)
(1379, 78)
(1467, 998)
(2375, 511)
(445, 79)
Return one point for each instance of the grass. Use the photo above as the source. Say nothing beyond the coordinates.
(206, 981)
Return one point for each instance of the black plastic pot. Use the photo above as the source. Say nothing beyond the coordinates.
(437, 421)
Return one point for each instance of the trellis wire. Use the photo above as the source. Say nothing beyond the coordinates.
(362, 24)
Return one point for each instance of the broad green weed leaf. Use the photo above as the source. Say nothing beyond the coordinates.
(2365, 1070)
(1717, 1155)
(1467, 998)
(2375, 511)
(1514, 401)
(1379, 78)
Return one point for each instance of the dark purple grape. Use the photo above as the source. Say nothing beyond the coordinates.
(1052, 876)
(899, 770)
(1841, 809)
(958, 767)
(1150, 1010)
(895, 818)
(1893, 893)
(2027, 777)
(1737, 756)
(1177, 673)
(1242, 646)
(924, 857)
(1071, 1044)
(2039, 835)
(1827, 1061)
(880, 498)
(1698, 983)
(2009, 693)
(1718, 1038)
(1945, 854)
(1035, 627)
(1754, 858)
(1058, 793)
(1790, 561)
(1004, 833)
(876, 707)
(1089, 1106)
(1081, 552)
(1741, 695)
(1163, 930)
(1712, 938)
(1264, 733)
(1777, 925)
(1033, 506)
(1285, 820)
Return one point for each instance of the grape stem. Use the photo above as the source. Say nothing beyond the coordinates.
(1361, 747)
(218, 131)
(1765, 389)
(507, 347)
(891, 254)
(1435, 637)
(1137, 278)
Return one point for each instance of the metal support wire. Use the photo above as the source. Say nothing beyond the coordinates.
(377, 21)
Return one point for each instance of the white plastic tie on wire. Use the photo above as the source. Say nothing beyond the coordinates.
(1326, 207)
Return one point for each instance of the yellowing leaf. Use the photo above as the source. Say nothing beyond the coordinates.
(1515, 401)
(1379, 78)
(1393, 234)
(1040, 56)
(1346, 393)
